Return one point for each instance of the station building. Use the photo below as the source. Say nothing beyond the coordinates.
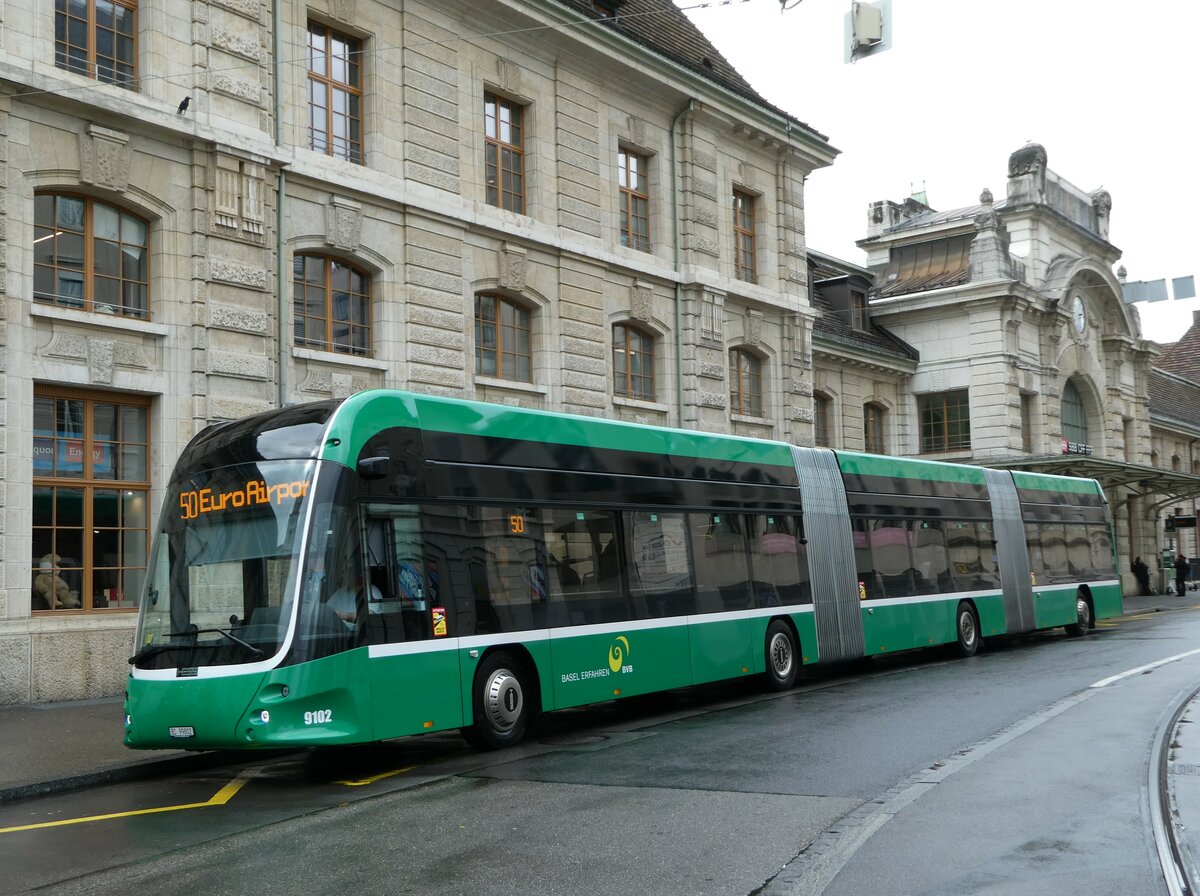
(215, 208)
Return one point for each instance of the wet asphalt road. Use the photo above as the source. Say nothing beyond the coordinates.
(1006, 773)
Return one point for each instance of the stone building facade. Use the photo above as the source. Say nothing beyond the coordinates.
(1029, 357)
(214, 208)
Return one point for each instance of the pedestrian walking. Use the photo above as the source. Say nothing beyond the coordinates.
(1181, 573)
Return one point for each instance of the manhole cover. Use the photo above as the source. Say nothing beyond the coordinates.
(574, 740)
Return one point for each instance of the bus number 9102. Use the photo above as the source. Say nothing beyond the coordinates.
(319, 717)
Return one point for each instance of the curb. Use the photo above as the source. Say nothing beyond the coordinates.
(148, 768)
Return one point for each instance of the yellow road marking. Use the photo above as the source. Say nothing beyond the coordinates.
(224, 795)
(361, 782)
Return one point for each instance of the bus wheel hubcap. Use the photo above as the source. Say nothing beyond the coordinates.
(781, 654)
(966, 628)
(503, 699)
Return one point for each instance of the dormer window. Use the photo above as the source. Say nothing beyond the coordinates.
(858, 310)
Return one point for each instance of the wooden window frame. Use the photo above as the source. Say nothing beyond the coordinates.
(329, 318)
(321, 136)
(744, 260)
(954, 407)
(859, 319)
(632, 179)
(89, 484)
(509, 155)
(873, 428)
(822, 405)
(63, 46)
(746, 385)
(634, 341)
(87, 270)
(503, 348)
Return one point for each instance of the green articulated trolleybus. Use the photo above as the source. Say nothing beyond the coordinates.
(393, 564)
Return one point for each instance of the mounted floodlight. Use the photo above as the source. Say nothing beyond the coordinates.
(868, 29)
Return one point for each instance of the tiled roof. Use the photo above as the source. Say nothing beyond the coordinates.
(1174, 398)
(1182, 358)
(830, 326)
(661, 27)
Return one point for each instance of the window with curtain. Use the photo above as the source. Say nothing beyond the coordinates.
(90, 255)
(331, 303)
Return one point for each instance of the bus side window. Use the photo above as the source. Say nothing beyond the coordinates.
(864, 564)
(890, 558)
(722, 568)
(780, 570)
(395, 589)
(931, 561)
(972, 555)
(660, 573)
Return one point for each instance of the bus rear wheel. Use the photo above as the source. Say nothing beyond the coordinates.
(782, 659)
(966, 624)
(1083, 618)
(501, 703)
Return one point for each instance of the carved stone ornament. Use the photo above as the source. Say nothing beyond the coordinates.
(509, 76)
(343, 10)
(641, 305)
(343, 223)
(513, 264)
(754, 322)
(637, 130)
(104, 158)
(100, 361)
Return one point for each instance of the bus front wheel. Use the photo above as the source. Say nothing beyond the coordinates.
(501, 703)
(782, 658)
(966, 623)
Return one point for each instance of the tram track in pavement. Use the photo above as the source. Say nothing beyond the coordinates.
(1174, 851)
(820, 861)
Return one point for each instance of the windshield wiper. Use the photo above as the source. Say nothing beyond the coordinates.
(156, 649)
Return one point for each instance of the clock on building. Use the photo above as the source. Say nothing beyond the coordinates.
(1078, 313)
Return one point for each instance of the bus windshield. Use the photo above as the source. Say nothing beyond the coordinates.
(223, 571)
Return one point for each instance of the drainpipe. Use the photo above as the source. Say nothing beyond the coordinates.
(676, 186)
(280, 240)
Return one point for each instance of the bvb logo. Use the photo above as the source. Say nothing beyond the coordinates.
(617, 653)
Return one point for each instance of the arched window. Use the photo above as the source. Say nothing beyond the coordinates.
(89, 255)
(745, 383)
(821, 406)
(1074, 422)
(332, 305)
(873, 434)
(633, 362)
(503, 338)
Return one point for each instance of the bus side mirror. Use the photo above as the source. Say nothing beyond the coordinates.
(374, 467)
